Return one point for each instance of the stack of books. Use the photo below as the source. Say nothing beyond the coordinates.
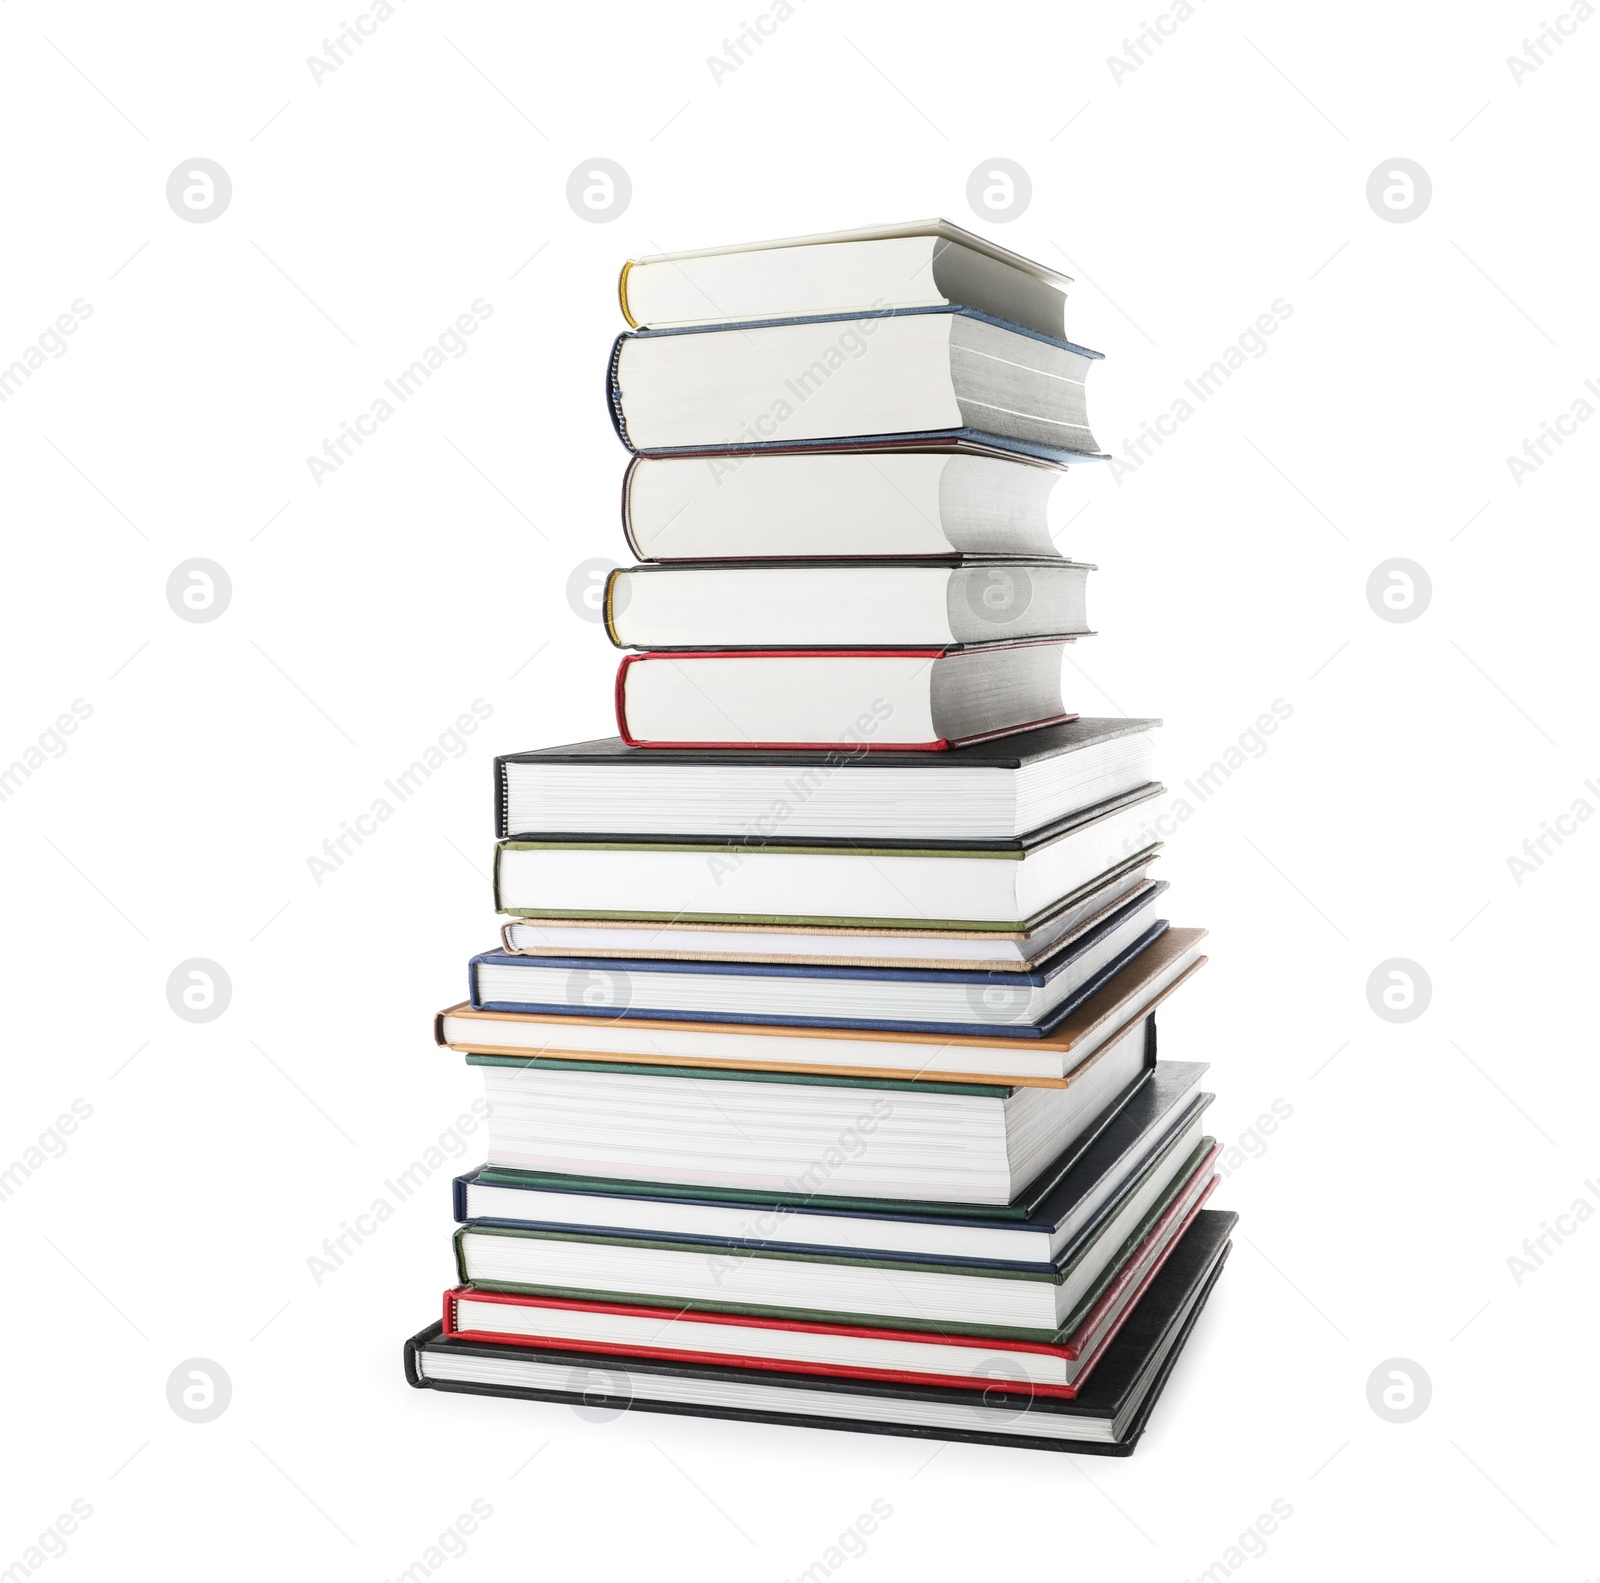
(821, 1048)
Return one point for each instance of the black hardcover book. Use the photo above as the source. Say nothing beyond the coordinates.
(987, 791)
(1107, 1418)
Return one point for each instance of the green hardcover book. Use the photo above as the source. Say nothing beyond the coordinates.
(1004, 884)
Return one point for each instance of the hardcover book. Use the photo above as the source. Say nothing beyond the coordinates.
(830, 1134)
(986, 791)
(872, 700)
(892, 500)
(945, 373)
(926, 264)
(845, 604)
(968, 949)
(1008, 885)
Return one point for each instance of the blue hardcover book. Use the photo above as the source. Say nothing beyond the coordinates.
(939, 374)
(1165, 1107)
(1016, 1003)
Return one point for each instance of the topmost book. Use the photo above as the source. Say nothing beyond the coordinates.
(926, 263)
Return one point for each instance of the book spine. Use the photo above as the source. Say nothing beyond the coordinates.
(620, 699)
(622, 296)
(614, 392)
(608, 607)
(680, 656)
(627, 510)
(413, 1371)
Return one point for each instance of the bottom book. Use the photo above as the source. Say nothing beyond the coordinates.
(1107, 1417)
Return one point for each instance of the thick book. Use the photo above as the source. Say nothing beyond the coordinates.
(1169, 1105)
(845, 604)
(797, 1133)
(920, 264)
(1053, 1193)
(949, 373)
(1024, 1002)
(985, 791)
(1125, 998)
(1039, 1303)
(1108, 1417)
(898, 501)
(968, 949)
(866, 700)
(1005, 884)
(701, 1335)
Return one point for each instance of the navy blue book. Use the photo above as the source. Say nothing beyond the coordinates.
(1019, 1003)
(941, 374)
(1051, 1214)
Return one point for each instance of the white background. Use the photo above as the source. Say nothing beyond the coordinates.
(1227, 171)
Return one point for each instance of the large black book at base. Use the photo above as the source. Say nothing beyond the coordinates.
(989, 791)
(1165, 1107)
(1107, 1418)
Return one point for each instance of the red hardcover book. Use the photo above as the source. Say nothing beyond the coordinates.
(852, 700)
(789, 1345)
